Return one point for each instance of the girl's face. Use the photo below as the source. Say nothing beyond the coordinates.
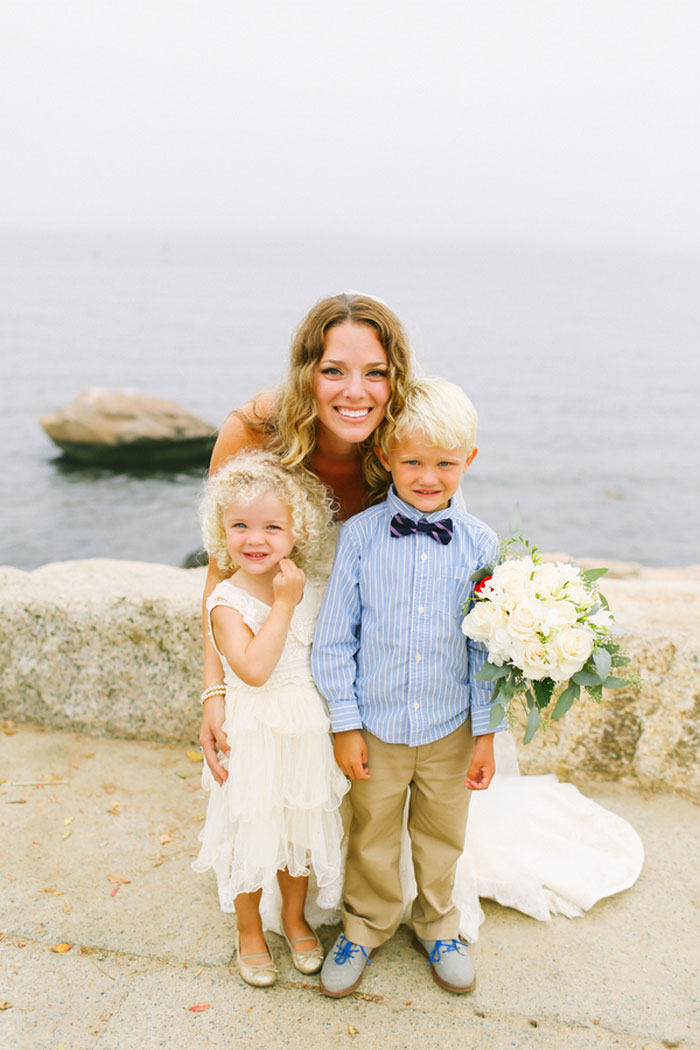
(351, 383)
(258, 533)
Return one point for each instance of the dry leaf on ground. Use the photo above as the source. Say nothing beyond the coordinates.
(121, 879)
(199, 1007)
(61, 948)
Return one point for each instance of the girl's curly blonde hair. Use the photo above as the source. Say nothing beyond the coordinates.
(253, 474)
(292, 423)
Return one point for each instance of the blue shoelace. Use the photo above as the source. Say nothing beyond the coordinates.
(345, 950)
(444, 946)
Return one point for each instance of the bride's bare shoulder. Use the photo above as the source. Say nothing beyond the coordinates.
(244, 428)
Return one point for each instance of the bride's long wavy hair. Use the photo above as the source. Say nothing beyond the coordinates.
(292, 423)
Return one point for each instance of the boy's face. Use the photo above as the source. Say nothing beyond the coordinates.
(425, 476)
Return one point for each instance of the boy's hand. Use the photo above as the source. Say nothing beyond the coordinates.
(288, 583)
(351, 754)
(483, 765)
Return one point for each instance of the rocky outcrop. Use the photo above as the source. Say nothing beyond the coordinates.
(114, 647)
(127, 428)
(103, 646)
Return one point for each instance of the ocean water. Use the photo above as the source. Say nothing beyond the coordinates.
(582, 361)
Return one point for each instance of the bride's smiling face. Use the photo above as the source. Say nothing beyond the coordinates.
(351, 383)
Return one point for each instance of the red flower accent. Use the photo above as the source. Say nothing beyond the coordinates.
(480, 585)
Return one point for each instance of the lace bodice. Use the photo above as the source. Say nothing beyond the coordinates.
(294, 667)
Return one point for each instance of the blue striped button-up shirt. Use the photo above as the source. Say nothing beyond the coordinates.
(389, 654)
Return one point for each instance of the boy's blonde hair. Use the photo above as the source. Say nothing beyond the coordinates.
(252, 474)
(438, 410)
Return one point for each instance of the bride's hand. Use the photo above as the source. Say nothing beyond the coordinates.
(212, 737)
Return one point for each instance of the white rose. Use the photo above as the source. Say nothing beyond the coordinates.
(512, 578)
(571, 647)
(526, 618)
(546, 580)
(560, 613)
(534, 661)
(481, 622)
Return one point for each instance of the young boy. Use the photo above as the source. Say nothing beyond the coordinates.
(399, 678)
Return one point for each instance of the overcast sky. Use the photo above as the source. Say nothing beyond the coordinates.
(477, 118)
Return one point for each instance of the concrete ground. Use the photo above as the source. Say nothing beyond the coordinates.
(96, 839)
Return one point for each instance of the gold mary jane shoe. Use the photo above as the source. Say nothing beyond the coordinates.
(259, 976)
(309, 961)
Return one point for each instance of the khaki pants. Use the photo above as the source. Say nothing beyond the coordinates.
(437, 817)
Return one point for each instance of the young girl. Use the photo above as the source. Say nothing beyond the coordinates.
(276, 816)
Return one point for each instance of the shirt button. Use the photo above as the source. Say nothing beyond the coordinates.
(418, 657)
(421, 609)
(424, 557)
(415, 707)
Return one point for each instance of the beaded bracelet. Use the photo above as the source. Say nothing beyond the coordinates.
(214, 690)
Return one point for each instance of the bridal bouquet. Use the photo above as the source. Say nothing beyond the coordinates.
(548, 630)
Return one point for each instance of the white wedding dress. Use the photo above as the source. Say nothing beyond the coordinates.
(536, 845)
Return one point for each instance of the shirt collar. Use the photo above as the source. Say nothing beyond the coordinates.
(395, 505)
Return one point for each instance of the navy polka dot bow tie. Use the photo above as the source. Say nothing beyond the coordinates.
(438, 530)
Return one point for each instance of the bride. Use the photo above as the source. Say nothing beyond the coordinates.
(532, 843)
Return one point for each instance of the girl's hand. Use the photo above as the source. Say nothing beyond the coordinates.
(288, 583)
(212, 736)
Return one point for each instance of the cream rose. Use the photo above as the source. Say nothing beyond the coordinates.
(560, 613)
(526, 618)
(546, 580)
(480, 623)
(571, 647)
(511, 579)
(534, 661)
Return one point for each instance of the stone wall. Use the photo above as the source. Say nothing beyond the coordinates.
(114, 647)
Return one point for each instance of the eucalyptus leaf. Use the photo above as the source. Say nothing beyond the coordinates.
(571, 693)
(591, 575)
(585, 678)
(533, 722)
(490, 672)
(602, 661)
(613, 682)
(497, 715)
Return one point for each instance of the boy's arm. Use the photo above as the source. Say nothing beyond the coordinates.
(336, 640)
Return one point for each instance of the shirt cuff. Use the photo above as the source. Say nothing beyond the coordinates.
(344, 716)
(481, 718)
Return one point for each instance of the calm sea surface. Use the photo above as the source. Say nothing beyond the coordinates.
(582, 362)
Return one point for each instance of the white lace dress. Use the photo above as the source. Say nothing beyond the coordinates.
(279, 807)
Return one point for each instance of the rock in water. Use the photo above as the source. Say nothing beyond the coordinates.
(118, 428)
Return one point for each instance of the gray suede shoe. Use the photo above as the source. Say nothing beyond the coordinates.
(343, 968)
(449, 963)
